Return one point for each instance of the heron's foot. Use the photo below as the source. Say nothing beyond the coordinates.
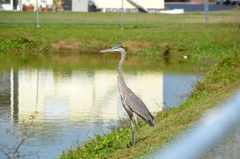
(133, 143)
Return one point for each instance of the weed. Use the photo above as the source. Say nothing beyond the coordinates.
(23, 133)
(18, 43)
(101, 145)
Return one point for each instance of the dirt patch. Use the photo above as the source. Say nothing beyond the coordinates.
(132, 46)
(67, 43)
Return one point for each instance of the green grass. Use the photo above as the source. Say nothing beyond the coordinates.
(144, 33)
(151, 34)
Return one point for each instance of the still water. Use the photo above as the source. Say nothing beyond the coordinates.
(76, 95)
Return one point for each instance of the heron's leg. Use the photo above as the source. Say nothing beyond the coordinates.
(133, 135)
(136, 122)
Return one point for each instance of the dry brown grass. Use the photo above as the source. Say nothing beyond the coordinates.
(68, 43)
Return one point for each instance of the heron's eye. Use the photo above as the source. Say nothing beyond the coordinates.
(120, 47)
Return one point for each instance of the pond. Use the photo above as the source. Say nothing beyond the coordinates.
(76, 95)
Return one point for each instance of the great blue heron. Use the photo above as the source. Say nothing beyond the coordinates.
(133, 105)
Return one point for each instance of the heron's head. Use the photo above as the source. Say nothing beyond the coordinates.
(113, 49)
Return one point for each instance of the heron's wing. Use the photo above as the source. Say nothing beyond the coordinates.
(137, 106)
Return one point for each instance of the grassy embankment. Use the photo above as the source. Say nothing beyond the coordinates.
(144, 34)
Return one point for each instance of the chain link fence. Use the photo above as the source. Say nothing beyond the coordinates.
(198, 11)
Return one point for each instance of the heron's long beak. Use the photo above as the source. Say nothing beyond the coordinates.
(107, 50)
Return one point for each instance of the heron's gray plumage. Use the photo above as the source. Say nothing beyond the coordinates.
(133, 105)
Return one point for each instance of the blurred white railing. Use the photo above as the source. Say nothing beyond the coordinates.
(210, 130)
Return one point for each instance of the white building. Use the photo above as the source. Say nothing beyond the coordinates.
(129, 5)
(10, 5)
(91, 5)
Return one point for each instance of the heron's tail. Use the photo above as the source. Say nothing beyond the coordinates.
(151, 122)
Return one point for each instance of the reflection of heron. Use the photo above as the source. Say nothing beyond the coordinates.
(133, 105)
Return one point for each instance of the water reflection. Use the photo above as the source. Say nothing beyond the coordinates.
(82, 96)
(74, 104)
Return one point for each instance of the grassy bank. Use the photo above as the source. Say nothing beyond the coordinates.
(144, 33)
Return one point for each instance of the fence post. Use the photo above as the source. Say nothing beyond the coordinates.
(206, 8)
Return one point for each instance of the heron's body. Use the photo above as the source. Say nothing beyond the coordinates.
(133, 105)
(131, 102)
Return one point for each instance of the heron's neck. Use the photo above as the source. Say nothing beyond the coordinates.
(121, 62)
(120, 74)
